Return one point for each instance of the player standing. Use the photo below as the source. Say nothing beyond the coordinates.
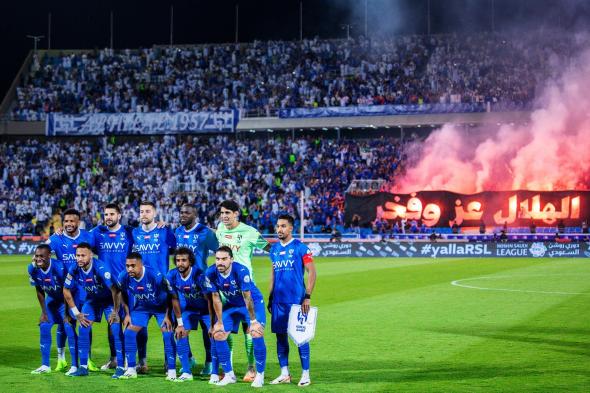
(154, 243)
(290, 260)
(113, 243)
(242, 239)
(243, 303)
(200, 239)
(64, 246)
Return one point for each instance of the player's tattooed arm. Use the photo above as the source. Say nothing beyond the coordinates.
(218, 310)
(211, 313)
(256, 328)
(249, 304)
(80, 317)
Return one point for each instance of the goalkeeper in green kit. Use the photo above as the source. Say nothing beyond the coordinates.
(242, 239)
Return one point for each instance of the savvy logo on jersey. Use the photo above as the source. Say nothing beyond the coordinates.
(94, 288)
(192, 247)
(283, 264)
(150, 296)
(112, 246)
(228, 293)
(147, 247)
(69, 257)
(50, 288)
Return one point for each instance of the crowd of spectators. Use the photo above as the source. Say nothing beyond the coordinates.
(39, 179)
(263, 76)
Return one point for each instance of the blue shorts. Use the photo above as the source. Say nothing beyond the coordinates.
(232, 316)
(142, 318)
(279, 320)
(192, 320)
(95, 311)
(56, 310)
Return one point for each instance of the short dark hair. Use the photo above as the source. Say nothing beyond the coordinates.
(230, 205)
(44, 247)
(134, 255)
(71, 212)
(113, 206)
(147, 203)
(226, 249)
(185, 251)
(287, 217)
(84, 245)
(188, 205)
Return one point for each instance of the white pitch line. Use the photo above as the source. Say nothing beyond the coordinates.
(457, 284)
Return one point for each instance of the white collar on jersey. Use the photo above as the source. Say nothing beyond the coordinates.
(190, 270)
(75, 237)
(286, 244)
(89, 266)
(142, 274)
(192, 228)
(226, 275)
(48, 268)
(155, 224)
(115, 230)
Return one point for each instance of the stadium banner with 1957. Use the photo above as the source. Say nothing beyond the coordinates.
(151, 123)
(389, 249)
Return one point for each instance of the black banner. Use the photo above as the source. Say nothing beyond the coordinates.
(494, 208)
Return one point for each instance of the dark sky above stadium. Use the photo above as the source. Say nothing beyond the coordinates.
(141, 23)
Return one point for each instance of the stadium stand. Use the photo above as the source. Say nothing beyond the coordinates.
(264, 175)
(261, 77)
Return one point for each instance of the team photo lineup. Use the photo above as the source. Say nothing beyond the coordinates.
(124, 274)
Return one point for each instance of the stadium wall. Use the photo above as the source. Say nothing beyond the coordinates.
(10, 127)
(405, 249)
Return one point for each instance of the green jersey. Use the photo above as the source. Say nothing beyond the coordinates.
(242, 240)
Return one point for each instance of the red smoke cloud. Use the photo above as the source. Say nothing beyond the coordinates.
(551, 152)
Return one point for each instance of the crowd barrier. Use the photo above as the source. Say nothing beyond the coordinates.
(391, 249)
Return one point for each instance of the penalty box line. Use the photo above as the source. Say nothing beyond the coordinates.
(458, 283)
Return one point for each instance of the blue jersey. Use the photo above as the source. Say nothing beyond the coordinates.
(65, 246)
(149, 293)
(96, 281)
(154, 247)
(190, 290)
(200, 239)
(113, 247)
(288, 263)
(50, 281)
(231, 287)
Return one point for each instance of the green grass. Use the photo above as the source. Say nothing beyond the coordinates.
(383, 325)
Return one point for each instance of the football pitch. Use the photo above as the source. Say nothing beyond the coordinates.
(384, 325)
